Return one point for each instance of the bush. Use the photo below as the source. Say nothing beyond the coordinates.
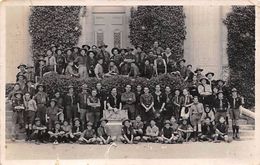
(240, 24)
(54, 82)
(8, 88)
(165, 24)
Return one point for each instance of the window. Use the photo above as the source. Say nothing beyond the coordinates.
(99, 37)
(117, 39)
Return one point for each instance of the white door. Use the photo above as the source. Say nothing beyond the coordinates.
(109, 28)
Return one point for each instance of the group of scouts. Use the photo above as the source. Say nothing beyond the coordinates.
(199, 112)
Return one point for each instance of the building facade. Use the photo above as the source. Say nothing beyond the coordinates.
(205, 44)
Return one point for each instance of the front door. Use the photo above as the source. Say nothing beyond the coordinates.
(109, 27)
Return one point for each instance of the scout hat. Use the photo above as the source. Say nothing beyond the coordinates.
(112, 51)
(198, 69)
(189, 65)
(76, 119)
(123, 123)
(29, 66)
(220, 91)
(103, 119)
(234, 90)
(103, 45)
(89, 124)
(90, 52)
(69, 49)
(57, 122)
(37, 119)
(23, 65)
(84, 86)
(86, 46)
(123, 49)
(53, 100)
(70, 86)
(209, 74)
(94, 46)
(18, 92)
(21, 74)
(205, 78)
(182, 60)
(221, 81)
(39, 85)
(167, 122)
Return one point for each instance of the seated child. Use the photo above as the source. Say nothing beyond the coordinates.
(89, 135)
(176, 132)
(104, 135)
(76, 130)
(151, 133)
(208, 112)
(221, 130)
(207, 131)
(167, 135)
(67, 136)
(56, 134)
(138, 127)
(185, 129)
(128, 133)
(39, 132)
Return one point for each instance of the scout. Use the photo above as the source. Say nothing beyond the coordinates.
(116, 56)
(168, 56)
(156, 48)
(186, 102)
(56, 133)
(105, 56)
(70, 105)
(189, 73)
(210, 76)
(81, 60)
(221, 130)
(61, 61)
(113, 101)
(52, 113)
(82, 104)
(208, 131)
(205, 91)
(30, 73)
(147, 102)
(91, 63)
(151, 132)
(128, 133)
(182, 68)
(112, 69)
(89, 135)
(167, 135)
(138, 94)
(76, 130)
(17, 117)
(101, 94)
(235, 102)
(168, 104)
(185, 129)
(59, 99)
(22, 69)
(87, 47)
(193, 86)
(220, 84)
(196, 111)
(67, 136)
(52, 63)
(39, 133)
(199, 74)
(41, 99)
(29, 115)
(140, 55)
(146, 70)
(138, 127)
(68, 55)
(70, 71)
(208, 113)
(99, 70)
(159, 100)
(11, 94)
(221, 106)
(21, 80)
(29, 88)
(94, 108)
(104, 135)
(160, 65)
(176, 104)
(128, 99)
(41, 69)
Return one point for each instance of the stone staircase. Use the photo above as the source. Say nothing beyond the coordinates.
(247, 126)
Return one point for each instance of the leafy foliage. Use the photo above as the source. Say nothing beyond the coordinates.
(165, 24)
(240, 23)
(58, 25)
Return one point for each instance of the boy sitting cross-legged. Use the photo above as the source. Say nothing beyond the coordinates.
(104, 136)
(128, 133)
(207, 131)
(221, 131)
(185, 129)
(38, 132)
(138, 126)
(167, 135)
(89, 135)
(56, 134)
(151, 133)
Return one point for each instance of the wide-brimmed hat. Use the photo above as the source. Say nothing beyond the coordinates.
(29, 66)
(21, 74)
(103, 45)
(70, 86)
(123, 123)
(84, 86)
(183, 60)
(89, 124)
(205, 78)
(103, 119)
(220, 91)
(189, 65)
(198, 69)
(83, 46)
(234, 90)
(53, 100)
(90, 52)
(40, 85)
(76, 119)
(69, 49)
(209, 74)
(37, 119)
(167, 122)
(94, 46)
(30, 80)
(75, 47)
(18, 92)
(112, 50)
(56, 51)
(24, 65)
(221, 81)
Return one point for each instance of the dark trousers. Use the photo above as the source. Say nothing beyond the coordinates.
(71, 112)
(39, 135)
(41, 112)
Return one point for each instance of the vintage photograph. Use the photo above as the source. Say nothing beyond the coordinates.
(129, 82)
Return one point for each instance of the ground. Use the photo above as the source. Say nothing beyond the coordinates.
(236, 149)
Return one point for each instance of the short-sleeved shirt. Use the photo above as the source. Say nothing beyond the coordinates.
(89, 133)
(152, 131)
(146, 99)
(41, 98)
(30, 105)
(167, 132)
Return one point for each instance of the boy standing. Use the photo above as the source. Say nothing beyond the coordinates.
(94, 111)
(147, 102)
(82, 104)
(41, 99)
(52, 113)
(128, 99)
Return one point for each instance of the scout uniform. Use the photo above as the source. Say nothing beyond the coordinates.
(104, 133)
(82, 103)
(29, 89)
(151, 132)
(52, 113)
(207, 131)
(61, 61)
(199, 75)
(39, 133)
(17, 117)
(76, 130)
(89, 135)
(235, 102)
(70, 102)
(118, 58)
(69, 71)
(30, 73)
(41, 68)
(185, 129)
(81, 60)
(159, 101)
(221, 107)
(22, 71)
(127, 132)
(91, 63)
(160, 66)
(205, 91)
(128, 99)
(99, 70)
(138, 105)
(105, 55)
(94, 110)
(67, 136)
(176, 105)
(29, 115)
(208, 113)
(146, 70)
(41, 99)
(21, 80)
(147, 100)
(167, 134)
(138, 127)
(182, 69)
(221, 130)
(186, 100)
(52, 63)
(56, 133)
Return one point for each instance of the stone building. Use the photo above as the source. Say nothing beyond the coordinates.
(205, 44)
